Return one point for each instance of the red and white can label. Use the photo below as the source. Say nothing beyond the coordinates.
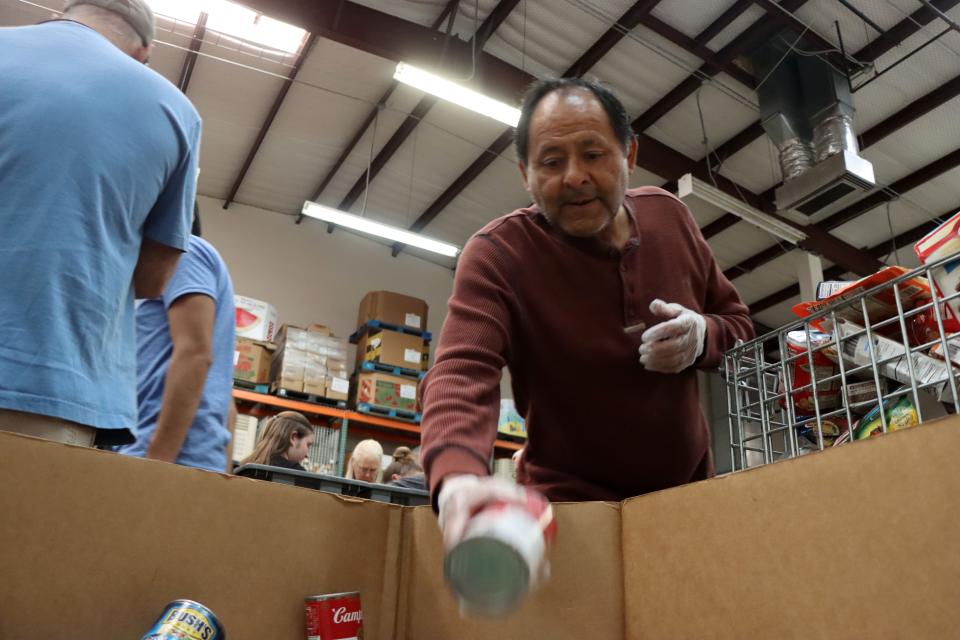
(335, 617)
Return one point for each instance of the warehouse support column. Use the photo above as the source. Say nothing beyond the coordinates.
(809, 274)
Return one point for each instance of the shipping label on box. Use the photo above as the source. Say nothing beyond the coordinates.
(255, 319)
(251, 361)
(385, 390)
(337, 388)
(393, 308)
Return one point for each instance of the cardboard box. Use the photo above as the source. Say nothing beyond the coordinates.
(255, 319)
(740, 556)
(337, 387)
(385, 390)
(393, 308)
(305, 357)
(251, 360)
(394, 349)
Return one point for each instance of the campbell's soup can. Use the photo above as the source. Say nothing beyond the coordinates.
(186, 620)
(335, 616)
(501, 555)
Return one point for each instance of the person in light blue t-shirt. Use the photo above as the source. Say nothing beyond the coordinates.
(98, 167)
(185, 344)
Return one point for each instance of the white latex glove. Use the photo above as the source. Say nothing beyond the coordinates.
(462, 496)
(674, 345)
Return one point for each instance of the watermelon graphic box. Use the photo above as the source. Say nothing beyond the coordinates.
(256, 319)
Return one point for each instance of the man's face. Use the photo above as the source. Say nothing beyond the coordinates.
(577, 171)
(365, 468)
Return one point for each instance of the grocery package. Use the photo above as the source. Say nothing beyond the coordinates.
(830, 287)
(828, 393)
(251, 361)
(880, 305)
(940, 243)
(255, 319)
(511, 423)
(953, 348)
(393, 308)
(335, 616)
(857, 350)
(859, 393)
(386, 391)
(186, 619)
(900, 414)
(832, 428)
(306, 359)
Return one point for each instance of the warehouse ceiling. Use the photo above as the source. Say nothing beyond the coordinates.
(308, 115)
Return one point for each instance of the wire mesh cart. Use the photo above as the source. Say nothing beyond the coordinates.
(877, 356)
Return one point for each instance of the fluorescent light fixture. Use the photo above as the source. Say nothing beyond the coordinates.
(365, 225)
(457, 94)
(688, 186)
(233, 20)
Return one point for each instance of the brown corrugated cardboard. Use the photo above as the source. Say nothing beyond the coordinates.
(393, 308)
(251, 361)
(393, 348)
(385, 390)
(855, 542)
(337, 388)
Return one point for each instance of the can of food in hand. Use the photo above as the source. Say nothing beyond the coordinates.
(335, 616)
(501, 555)
(186, 620)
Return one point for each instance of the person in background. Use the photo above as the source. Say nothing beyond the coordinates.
(365, 461)
(284, 442)
(98, 164)
(185, 344)
(593, 277)
(405, 471)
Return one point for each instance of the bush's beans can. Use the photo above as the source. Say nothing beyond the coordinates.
(186, 620)
(502, 554)
(335, 616)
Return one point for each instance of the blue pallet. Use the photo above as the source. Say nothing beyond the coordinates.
(366, 365)
(387, 412)
(376, 325)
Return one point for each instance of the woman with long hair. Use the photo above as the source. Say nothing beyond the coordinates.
(284, 442)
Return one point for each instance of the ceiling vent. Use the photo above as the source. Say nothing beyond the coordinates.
(807, 110)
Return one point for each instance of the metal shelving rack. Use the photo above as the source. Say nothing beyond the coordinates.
(343, 420)
(762, 411)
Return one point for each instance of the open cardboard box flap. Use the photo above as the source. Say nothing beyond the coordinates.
(855, 542)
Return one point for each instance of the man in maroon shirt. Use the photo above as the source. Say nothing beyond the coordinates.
(559, 293)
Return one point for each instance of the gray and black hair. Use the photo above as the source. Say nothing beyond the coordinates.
(616, 113)
(111, 24)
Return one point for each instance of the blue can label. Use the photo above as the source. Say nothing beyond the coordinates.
(184, 620)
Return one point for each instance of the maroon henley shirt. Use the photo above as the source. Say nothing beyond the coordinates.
(553, 309)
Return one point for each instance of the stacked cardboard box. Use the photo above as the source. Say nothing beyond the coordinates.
(251, 361)
(310, 360)
(392, 333)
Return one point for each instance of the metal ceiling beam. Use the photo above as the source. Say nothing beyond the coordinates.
(902, 241)
(186, 71)
(750, 38)
(907, 183)
(880, 45)
(903, 30)
(486, 29)
(693, 45)
(305, 48)
(394, 38)
(597, 50)
(448, 12)
(905, 116)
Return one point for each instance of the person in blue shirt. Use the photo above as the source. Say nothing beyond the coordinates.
(185, 345)
(98, 167)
